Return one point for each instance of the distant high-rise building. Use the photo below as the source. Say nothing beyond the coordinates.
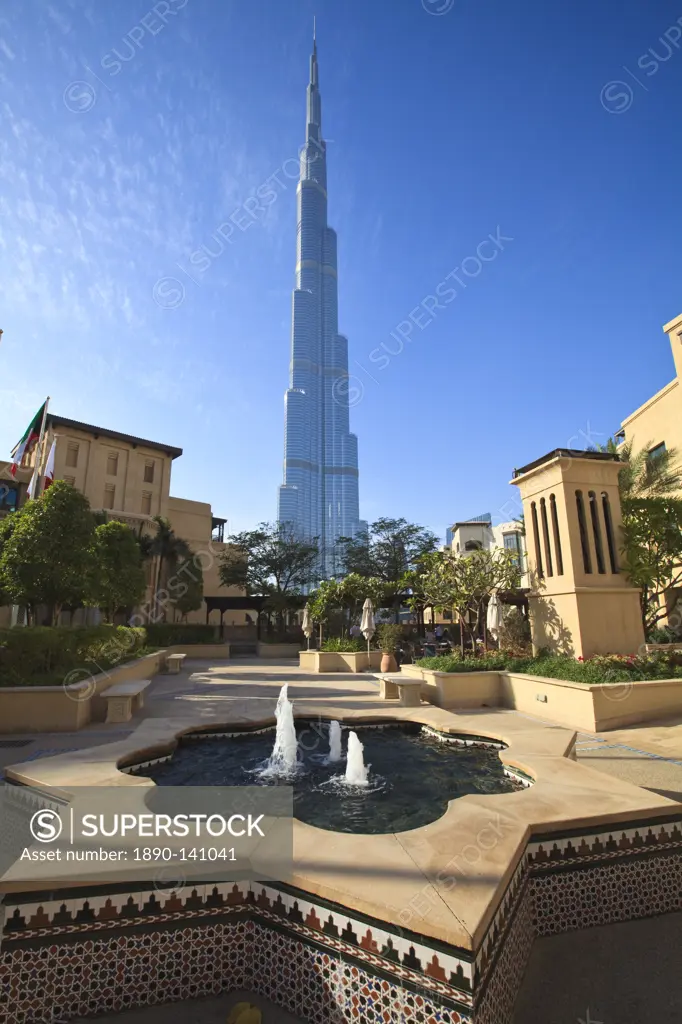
(319, 495)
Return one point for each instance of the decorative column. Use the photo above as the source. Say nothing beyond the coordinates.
(580, 602)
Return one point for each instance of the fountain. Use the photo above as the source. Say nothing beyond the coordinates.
(284, 757)
(356, 770)
(334, 742)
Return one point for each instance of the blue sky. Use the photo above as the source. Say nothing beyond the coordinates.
(131, 131)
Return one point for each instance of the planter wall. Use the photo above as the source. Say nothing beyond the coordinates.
(619, 704)
(591, 709)
(218, 651)
(278, 650)
(71, 706)
(333, 661)
(556, 700)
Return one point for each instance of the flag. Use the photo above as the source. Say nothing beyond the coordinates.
(31, 436)
(49, 468)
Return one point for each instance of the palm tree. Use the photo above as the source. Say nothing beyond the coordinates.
(167, 549)
(644, 475)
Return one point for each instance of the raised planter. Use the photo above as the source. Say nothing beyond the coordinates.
(218, 651)
(73, 705)
(591, 708)
(457, 689)
(266, 650)
(335, 661)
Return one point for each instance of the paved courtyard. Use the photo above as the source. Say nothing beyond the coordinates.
(198, 1011)
(612, 975)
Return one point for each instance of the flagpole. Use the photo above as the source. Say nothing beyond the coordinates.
(39, 451)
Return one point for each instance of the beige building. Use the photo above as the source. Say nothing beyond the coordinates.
(129, 478)
(658, 422)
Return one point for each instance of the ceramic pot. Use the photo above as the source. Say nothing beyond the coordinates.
(388, 663)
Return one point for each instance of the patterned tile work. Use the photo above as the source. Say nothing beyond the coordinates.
(72, 951)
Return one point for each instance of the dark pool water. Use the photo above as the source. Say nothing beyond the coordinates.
(412, 775)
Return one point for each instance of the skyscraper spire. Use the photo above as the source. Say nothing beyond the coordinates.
(319, 496)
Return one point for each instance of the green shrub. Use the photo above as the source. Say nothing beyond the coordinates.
(166, 634)
(344, 645)
(46, 655)
(601, 669)
(455, 663)
(388, 636)
(664, 635)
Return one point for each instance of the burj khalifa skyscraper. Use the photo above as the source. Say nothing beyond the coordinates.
(319, 496)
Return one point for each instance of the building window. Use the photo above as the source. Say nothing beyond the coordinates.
(473, 545)
(112, 464)
(657, 450)
(149, 472)
(557, 538)
(70, 480)
(9, 497)
(512, 542)
(536, 538)
(109, 496)
(72, 454)
(610, 540)
(146, 503)
(584, 543)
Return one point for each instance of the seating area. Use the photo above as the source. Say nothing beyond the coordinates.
(124, 699)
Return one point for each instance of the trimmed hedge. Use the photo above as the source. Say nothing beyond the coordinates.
(606, 668)
(165, 634)
(47, 655)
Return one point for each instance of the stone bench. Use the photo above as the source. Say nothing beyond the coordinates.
(125, 698)
(396, 686)
(409, 692)
(174, 663)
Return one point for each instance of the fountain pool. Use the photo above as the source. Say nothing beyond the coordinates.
(411, 773)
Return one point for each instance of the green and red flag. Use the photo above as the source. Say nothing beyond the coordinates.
(29, 440)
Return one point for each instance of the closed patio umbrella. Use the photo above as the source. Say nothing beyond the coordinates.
(307, 624)
(367, 627)
(495, 615)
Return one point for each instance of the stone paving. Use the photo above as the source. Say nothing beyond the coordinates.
(612, 975)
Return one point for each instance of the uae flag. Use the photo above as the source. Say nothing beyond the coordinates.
(29, 439)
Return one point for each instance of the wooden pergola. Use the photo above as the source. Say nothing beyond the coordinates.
(246, 603)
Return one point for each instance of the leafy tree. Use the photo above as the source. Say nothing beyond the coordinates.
(644, 475)
(650, 487)
(47, 557)
(272, 561)
(117, 579)
(187, 587)
(466, 583)
(324, 601)
(652, 554)
(167, 550)
(389, 549)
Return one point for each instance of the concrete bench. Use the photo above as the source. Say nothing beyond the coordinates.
(125, 698)
(388, 685)
(174, 663)
(409, 692)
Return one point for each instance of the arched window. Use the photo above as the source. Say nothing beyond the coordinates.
(596, 529)
(473, 545)
(545, 537)
(536, 538)
(610, 539)
(557, 538)
(584, 543)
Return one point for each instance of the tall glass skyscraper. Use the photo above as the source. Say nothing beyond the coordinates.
(319, 495)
